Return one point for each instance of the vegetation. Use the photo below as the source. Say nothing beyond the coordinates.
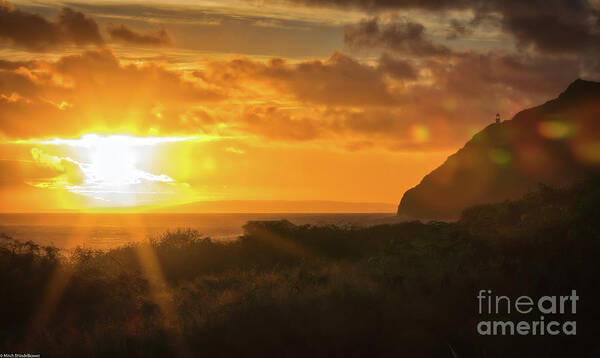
(398, 290)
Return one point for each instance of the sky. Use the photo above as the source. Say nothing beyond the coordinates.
(137, 104)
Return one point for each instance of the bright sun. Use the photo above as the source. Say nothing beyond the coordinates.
(113, 163)
(112, 160)
(107, 168)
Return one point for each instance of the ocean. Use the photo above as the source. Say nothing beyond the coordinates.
(105, 231)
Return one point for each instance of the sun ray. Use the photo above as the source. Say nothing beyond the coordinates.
(160, 291)
(60, 278)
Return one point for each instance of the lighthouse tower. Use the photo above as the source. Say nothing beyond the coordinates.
(497, 117)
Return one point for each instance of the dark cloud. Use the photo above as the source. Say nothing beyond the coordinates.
(398, 35)
(339, 80)
(32, 31)
(13, 65)
(375, 5)
(78, 28)
(124, 34)
(399, 69)
(550, 26)
(458, 29)
(504, 75)
(555, 26)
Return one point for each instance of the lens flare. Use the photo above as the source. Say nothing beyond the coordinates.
(555, 129)
(500, 156)
(420, 133)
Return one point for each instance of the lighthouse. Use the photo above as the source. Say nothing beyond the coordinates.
(497, 117)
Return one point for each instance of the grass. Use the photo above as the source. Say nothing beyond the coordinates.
(398, 290)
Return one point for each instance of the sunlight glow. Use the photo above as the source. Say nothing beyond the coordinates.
(95, 141)
(113, 162)
(108, 168)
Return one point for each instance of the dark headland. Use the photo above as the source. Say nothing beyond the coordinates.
(554, 144)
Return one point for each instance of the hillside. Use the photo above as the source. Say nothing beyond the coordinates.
(556, 144)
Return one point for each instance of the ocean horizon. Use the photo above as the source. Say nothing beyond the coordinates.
(109, 230)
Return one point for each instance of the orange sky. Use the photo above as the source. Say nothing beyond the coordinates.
(134, 103)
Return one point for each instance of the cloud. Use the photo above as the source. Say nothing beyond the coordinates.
(458, 29)
(392, 103)
(375, 5)
(550, 26)
(93, 91)
(356, 146)
(397, 68)
(454, 101)
(79, 28)
(17, 172)
(70, 171)
(339, 80)
(124, 34)
(274, 123)
(398, 35)
(13, 65)
(506, 75)
(40, 170)
(555, 26)
(33, 32)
